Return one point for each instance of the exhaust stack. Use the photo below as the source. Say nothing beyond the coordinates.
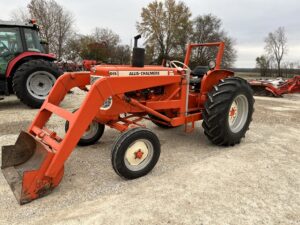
(138, 54)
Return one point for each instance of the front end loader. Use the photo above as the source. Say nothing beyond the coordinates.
(120, 97)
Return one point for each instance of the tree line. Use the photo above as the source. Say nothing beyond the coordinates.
(167, 26)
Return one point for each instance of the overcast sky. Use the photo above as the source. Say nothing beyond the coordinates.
(247, 21)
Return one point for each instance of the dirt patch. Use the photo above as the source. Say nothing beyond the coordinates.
(194, 182)
(13, 127)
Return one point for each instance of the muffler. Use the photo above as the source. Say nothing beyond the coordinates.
(24, 166)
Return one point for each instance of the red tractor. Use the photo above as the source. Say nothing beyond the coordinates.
(25, 68)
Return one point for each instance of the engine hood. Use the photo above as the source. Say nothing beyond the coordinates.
(119, 70)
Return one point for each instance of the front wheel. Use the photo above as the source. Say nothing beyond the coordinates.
(93, 133)
(135, 153)
(228, 111)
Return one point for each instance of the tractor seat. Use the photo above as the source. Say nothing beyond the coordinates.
(195, 80)
(197, 75)
(199, 71)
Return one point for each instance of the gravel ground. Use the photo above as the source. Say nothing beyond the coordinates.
(194, 182)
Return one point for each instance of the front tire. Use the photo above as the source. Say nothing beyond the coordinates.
(91, 135)
(135, 153)
(228, 111)
(33, 81)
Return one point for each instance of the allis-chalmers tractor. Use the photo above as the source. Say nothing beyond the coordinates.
(120, 97)
(25, 68)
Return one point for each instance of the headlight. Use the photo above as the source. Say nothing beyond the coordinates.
(107, 104)
(212, 65)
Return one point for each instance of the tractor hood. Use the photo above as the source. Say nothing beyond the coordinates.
(119, 70)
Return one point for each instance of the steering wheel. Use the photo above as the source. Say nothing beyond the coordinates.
(3, 48)
(178, 65)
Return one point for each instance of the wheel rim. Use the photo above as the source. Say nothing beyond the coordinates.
(238, 113)
(91, 131)
(39, 84)
(138, 155)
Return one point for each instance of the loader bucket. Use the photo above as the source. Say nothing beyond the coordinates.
(24, 166)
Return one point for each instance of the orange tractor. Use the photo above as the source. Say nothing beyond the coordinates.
(120, 97)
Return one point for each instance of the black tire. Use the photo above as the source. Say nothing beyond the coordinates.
(123, 143)
(10, 86)
(216, 114)
(25, 71)
(86, 141)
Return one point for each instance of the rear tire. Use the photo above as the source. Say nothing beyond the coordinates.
(135, 153)
(33, 81)
(228, 111)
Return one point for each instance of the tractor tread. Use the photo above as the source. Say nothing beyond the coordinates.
(121, 144)
(23, 72)
(216, 110)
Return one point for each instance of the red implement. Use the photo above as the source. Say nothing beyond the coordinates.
(276, 88)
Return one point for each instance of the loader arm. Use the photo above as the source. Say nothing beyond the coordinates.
(99, 92)
(40, 169)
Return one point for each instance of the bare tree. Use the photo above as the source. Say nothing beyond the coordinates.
(263, 63)
(103, 45)
(20, 14)
(64, 20)
(276, 46)
(55, 22)
(122, 54)
(106, 35)
(208, 28)
(166, 26)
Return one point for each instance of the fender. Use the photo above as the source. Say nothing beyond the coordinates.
(14, 62)
(211, 79)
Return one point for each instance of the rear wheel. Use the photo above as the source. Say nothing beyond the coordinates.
(135, 153)
(228, 112)
(33, 81)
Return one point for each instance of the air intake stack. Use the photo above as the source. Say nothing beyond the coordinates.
(138, 54)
